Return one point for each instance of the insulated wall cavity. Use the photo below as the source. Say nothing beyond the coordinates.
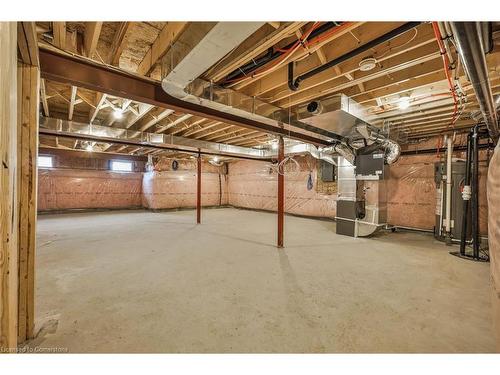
(165, 187)
(62, 189)
(253, 184)
(411, 190)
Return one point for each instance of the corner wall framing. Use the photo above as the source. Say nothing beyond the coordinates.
(19, 104)
(8, 198)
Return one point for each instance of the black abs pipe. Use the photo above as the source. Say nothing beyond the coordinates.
(294, 84)
(465, 213)
(272, 55)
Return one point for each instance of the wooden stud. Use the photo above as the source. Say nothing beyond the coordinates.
(8, 188)
(28, 97)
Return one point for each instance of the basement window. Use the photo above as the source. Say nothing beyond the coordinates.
(121, 166)
(45, 161)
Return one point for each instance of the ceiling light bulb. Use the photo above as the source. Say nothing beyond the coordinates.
(89, 147)
(404, 102)
(367, 64)
(215, 159)
(117, 113)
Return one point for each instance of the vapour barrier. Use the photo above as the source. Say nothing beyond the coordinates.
(167, 188)
(61, 189)
(177, 189)
(254, 184)
(494, 237)
(411, 191)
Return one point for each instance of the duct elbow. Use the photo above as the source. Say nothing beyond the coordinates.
(392, 151)
(346, 152)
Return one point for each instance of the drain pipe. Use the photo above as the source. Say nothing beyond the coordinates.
(293, 84)
(470, 40)
(448, 184)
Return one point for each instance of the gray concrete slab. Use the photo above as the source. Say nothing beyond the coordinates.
(137, 281)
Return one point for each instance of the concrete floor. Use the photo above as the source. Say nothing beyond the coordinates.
(136, 281)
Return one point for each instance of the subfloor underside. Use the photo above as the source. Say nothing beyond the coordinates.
(137, 281)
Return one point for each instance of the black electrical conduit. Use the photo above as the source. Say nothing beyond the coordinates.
(271, 55)
(294, 84)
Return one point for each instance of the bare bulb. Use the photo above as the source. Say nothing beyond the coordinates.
(117, 113)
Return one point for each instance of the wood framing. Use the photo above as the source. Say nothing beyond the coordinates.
(167, 37)
(8, 188)
(27, 141)
(119, 42)
(59, 34)
(91, 37)
(27, 43)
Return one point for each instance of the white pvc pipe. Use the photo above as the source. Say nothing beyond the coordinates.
(448, 184)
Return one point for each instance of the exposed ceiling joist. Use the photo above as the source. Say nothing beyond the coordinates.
(59, 34)
(43, 98)
(119, 42)
(27, 43)
(249, 52)
(167, 37)
(91, 37)
(72, 102)
(164, 113)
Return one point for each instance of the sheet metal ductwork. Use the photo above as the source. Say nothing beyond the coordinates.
(342, 115)
(334, 119)
(106, 134)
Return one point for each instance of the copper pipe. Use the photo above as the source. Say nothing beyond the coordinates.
(281, 191)
(198, 189)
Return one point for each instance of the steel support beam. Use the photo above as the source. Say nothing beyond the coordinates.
(281, 192)
(198, 189)
(90, 75)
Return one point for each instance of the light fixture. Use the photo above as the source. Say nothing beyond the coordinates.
(367, 64)
(215, 159)
(89, 147)
(117, 113)
(404, 102)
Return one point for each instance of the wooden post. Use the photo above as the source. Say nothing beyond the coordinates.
(8, 187)
(198, 190)
(281, 192)
(27, 143)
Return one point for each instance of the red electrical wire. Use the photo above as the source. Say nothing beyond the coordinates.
(446, 63)
(301, 41)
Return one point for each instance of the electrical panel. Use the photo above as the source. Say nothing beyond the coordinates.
(327, 172)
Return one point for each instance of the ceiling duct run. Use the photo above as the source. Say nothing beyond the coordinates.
(182, 67)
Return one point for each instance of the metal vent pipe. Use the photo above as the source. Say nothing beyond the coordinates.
(470, 44)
